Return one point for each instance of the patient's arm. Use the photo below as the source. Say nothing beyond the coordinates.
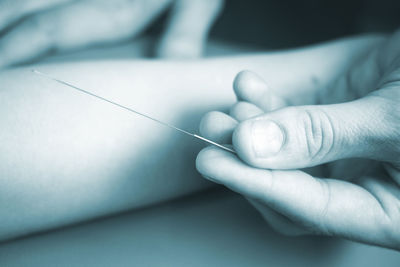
(66, 157)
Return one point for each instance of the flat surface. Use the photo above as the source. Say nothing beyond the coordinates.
(215, 228)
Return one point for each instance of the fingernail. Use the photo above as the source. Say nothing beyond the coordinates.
(267, 138)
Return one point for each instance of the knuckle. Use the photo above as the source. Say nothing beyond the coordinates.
(319, 224)
(386, 120)
(318, 132)
(388, 217)
(325, 207)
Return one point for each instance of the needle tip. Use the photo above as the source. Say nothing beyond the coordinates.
(41, 73)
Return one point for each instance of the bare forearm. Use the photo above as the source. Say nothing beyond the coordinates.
(66, 157)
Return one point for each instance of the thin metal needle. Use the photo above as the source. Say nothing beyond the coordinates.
(134, 111)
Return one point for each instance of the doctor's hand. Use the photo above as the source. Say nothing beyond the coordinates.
(32, 28)
(330, 168)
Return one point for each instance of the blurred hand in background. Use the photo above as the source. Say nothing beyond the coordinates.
(29, 29)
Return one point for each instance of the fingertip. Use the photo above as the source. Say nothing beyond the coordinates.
(202, 161)
(217, 126)
(248, 86)
(242, 143)
(241, 82)
(206, 123)
(226, 168)
(209, 160)
(260, 142)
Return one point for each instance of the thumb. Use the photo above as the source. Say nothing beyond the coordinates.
(304, 136)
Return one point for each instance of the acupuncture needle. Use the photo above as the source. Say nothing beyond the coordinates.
(134, 111)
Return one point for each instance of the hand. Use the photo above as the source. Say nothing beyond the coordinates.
(358, 116)
(29, 29)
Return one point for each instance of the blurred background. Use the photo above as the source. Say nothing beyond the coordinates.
(276, 24)
(31, 30)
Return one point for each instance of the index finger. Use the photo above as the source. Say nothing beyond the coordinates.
(327, 206)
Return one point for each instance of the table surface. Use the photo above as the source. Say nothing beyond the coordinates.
(213, 228)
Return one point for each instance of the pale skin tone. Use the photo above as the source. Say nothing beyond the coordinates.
(66, 157)
(276, 135)
(64, 25)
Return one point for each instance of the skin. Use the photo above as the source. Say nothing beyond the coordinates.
(65, 157)
(346, 134)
